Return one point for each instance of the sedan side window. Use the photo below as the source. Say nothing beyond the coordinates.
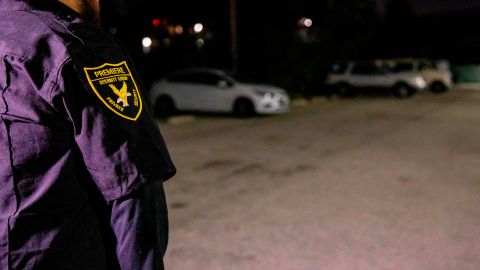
(196, 78)
(208, 79)
(182, 78)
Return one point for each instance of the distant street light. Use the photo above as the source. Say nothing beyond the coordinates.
(306, 22)
(147, 45)
(198, 28)
(147, 42)
(179, 29)
(156, 22)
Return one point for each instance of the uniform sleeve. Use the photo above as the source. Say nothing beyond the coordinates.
(120, 154)
(140, 224)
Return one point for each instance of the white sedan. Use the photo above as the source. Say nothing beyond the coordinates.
(211, 90)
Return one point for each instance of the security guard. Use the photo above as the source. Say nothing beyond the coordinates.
(80, 153)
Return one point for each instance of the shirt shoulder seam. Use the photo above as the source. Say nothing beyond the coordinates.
(57, 72)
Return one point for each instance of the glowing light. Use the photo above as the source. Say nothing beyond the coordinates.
(308, 22)
(420, 82)
(305, 22)
(198, 28)
(147, 42)
(171, 29)
(156, 22)
(179, 29)
(167, 42)
(200, 43)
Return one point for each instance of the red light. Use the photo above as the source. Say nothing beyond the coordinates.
(156, 22)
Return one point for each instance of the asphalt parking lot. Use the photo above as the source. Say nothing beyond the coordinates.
(354, 184)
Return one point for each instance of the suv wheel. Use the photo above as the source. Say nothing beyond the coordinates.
(438, 87)
(403, 91)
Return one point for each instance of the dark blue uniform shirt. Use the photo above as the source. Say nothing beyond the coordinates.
(74, 127)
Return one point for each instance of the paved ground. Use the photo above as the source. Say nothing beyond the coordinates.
(361, 184)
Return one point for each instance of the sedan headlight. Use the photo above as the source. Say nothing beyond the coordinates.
(264, 94)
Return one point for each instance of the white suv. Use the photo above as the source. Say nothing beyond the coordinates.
(351, 77)
(438, 80)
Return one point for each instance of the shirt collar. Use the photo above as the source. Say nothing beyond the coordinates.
(54, 6)
(14, 5)
(48, 5)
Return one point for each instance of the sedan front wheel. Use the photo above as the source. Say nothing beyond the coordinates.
(243, 108)
(164, 107)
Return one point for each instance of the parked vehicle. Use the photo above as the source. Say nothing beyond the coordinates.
(211, 90)
(352, 77)
(438, 79)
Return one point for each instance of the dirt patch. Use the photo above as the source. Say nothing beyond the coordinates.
(217, 164)
(296, 169)
(245, 170)
(405, 180)
(274, 139)
(178, 205)
(383, 116)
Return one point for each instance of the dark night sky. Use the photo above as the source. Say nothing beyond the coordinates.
(267, 27)
(433, 6)
(195, 8)
(191, 11)
(425, 7)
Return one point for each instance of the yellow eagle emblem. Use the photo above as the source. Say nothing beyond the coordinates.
(115, 86)
(122, 94)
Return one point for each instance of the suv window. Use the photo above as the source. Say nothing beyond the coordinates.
(366, 69)
(196, 78)
(425, 65)
(402, 67)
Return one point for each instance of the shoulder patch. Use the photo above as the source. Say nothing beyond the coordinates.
(115, 86)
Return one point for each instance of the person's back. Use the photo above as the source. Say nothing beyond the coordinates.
(74, 128)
